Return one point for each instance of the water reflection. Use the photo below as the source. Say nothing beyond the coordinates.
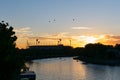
(97, 72)
(69, 69)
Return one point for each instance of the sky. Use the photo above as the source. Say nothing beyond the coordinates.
(78, 21)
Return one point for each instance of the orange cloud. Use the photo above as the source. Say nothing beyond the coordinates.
(82, 40)
(110, 39)
(82, 28)
(52, 39)
(25, 34)
(22, 34)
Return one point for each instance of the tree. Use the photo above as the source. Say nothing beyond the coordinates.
(11, 62)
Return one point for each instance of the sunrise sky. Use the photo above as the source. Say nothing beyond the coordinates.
(81, 21)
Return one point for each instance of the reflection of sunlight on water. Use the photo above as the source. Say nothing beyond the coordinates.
(58, 69)
(79, 70)
(69, 69)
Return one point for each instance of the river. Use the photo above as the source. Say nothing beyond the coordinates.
(69, 69)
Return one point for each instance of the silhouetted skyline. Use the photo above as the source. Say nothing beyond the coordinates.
(64, 18)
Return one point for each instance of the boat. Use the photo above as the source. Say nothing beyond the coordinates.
(28, 75)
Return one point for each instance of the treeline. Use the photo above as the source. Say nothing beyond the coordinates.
(99, 54)
(64, 51)
(11, 60)
(91, 52)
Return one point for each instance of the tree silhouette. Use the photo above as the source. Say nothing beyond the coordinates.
(11, 61)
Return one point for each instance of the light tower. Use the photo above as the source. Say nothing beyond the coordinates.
(59, 41)
(70, 42)
(27, 44)
(37, 41)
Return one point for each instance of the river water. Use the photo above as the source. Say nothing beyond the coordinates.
(69, 69)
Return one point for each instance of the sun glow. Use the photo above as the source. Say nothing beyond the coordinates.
(76, 41)
(90, 39)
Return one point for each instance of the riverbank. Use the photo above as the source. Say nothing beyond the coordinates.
(112, 62)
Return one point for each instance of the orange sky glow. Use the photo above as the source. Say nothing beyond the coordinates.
(76, 41)
(78, 21)
(26, 38)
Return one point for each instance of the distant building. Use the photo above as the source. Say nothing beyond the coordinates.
(46, 47)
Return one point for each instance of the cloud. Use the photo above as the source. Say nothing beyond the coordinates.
(109, 39)
(51, 39)
(44, 38)
(104, 39)
(81, 28)
(62, 35)
(112, 36)
(23, 32)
